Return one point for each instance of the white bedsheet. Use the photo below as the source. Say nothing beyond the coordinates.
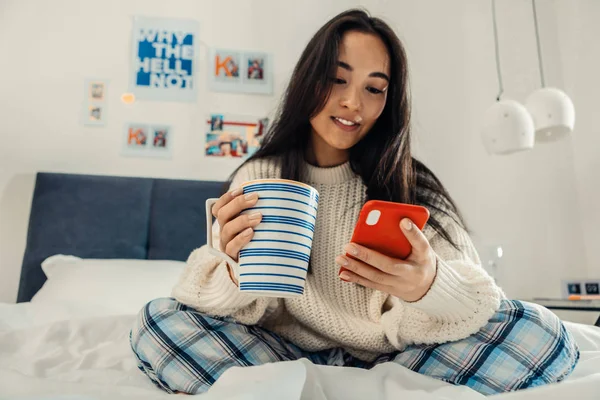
(72, 352)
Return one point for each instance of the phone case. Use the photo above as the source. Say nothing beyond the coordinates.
(385, 236)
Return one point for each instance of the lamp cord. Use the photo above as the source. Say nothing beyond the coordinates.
(537, 38)
(500, 85)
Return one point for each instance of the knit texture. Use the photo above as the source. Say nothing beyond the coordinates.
(334, 313)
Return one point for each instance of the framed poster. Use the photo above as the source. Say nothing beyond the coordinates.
(147, 140)
(163, 59)
(94, 102)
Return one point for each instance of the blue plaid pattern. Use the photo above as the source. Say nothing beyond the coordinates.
(184, 351)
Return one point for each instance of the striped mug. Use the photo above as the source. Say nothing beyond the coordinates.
(275, 262)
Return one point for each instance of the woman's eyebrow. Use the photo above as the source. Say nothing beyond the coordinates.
(381, 75)
(345, 66)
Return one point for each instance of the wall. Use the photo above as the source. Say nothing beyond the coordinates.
(526, 202)
(578, 32)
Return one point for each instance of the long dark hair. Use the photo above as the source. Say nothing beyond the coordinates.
(383, 157)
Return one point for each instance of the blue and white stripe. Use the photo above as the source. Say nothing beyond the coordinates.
(283, 188)
(276, 260)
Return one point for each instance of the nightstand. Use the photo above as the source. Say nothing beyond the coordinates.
(588, 306)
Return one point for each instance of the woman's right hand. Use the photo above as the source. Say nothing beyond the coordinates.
(236, 230)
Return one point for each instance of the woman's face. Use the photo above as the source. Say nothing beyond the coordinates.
(357, 97)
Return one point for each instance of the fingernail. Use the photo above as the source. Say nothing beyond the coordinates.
(340, 260)
(255, 215)
(236, 192)
(345, 276)
(250, 196)
(351, 249)
(407, 224)
(247, 232)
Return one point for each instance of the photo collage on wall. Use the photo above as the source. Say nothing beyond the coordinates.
(163, 67)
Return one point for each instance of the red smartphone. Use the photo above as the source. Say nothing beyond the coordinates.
(378, 227)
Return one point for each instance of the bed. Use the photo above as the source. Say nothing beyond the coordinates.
(99, 247)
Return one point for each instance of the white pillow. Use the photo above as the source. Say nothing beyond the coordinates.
(118, 286)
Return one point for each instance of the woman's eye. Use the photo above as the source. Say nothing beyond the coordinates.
(374, 90)
(338, 81)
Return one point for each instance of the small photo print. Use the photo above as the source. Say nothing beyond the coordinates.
(226, 65)
(256, 68)
(232, 136)
(137, 136)
(261, 130)
(160, 137)
(216, 122)
(97, 91)
(95, 113)
(225, 145)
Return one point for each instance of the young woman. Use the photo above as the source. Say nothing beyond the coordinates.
(343, 127)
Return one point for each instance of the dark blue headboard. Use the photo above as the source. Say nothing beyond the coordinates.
(112, 217)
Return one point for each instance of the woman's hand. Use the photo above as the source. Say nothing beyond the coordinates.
(408, 279)
(236, 230)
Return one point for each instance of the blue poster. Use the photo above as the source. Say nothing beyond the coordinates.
(164, 63)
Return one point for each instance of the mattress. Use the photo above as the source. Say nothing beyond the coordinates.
(72, 351)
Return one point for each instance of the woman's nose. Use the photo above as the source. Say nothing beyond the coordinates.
(351, 99)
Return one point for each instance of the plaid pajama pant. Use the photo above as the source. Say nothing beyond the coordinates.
(184, 351)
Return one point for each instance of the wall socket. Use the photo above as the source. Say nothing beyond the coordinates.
(580, 286)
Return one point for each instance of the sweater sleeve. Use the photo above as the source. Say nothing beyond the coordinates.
(206, 286)
(461, 300)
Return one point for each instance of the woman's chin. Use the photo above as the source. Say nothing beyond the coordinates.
(344, 145)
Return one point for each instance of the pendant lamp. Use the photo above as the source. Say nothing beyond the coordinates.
(552, 110)
(508, 127)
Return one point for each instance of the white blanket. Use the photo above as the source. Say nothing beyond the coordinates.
(69, 352)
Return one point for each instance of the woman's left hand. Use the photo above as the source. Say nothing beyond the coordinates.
(408, 279)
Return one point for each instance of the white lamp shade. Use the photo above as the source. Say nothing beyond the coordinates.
(553, 114)
(507, 128)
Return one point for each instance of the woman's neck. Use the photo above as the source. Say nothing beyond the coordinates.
(320, 154)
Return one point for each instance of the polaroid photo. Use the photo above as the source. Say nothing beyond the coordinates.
(255, 68)
(161, 138)
(258, 73)
(225, 71)
(96, 90)
(226, 66)
(136, 136)
(216, 122)
(95, 113)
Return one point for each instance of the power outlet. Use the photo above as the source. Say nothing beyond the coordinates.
(580, 287)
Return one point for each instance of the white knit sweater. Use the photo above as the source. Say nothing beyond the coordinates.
(333, 313)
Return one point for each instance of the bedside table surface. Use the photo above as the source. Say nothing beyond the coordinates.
(562, 304)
